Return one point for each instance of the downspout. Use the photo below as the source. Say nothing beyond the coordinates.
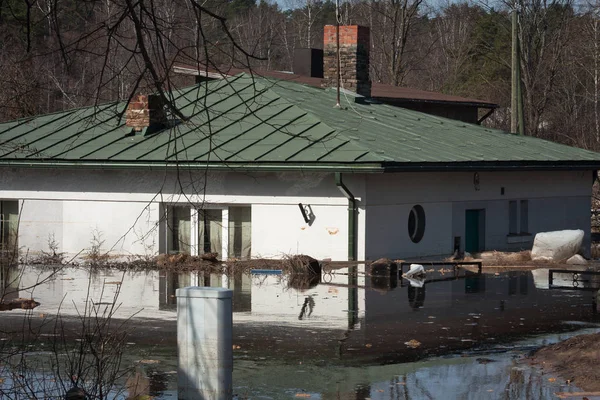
(352, 256)
(352, 217)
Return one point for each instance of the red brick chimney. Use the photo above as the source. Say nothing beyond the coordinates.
(354, 58)
(145, 110)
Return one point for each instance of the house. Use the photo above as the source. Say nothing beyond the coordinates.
(262, 167)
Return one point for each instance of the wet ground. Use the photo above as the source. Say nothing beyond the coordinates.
(350, 336)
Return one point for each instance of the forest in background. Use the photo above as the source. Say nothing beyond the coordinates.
(61, 54)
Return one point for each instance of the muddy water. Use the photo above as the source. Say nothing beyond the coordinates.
(347, 336)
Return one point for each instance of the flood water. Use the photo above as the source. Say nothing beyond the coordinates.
(347, 336)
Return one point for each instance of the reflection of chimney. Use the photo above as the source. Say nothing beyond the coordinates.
(144, 111)
(354, 58)
(308, 62)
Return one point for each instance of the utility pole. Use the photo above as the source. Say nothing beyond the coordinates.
(337, 50)
(517, 117)
(520, 115)
(514, 92)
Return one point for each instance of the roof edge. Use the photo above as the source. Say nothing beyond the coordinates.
(386, 167)
(493, 166)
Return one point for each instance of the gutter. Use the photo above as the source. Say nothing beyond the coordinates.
(200, 166)
(352, 217)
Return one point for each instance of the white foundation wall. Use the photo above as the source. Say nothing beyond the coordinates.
(557, 200)
(124, 209)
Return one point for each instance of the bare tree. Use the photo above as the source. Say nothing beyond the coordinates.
(392, 22)
(543, 40)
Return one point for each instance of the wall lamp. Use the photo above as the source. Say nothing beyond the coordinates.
(307, 213)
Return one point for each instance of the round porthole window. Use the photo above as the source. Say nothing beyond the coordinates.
(416, 223)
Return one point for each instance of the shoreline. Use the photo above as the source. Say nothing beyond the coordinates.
(574, 360)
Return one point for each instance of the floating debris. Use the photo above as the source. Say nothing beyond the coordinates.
(23, 304)
(413, 343)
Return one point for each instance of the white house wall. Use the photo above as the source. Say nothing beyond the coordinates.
(557, 200)
(77, 226)
(387, 232)
(288, 234)
(40, 221)
(123, 208)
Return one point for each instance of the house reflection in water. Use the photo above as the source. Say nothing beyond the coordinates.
(445, 312)
(448, 313)
(271, 298)
(169, 282)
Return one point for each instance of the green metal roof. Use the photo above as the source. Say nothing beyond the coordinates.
(251, 123)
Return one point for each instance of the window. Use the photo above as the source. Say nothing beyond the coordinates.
(199, 231)
(513, 228)
(524, 216)
(9, 224)
(416, 223)
(518, 217)
(179, 230)
(210, 229)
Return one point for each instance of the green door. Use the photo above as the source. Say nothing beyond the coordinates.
(474, 230)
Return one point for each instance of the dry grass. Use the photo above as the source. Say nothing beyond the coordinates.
(209, 263)
(506, 258)
(501, 258)
(299, 264)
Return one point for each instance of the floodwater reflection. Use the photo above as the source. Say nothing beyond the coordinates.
(343, 335)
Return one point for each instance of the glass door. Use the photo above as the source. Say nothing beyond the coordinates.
(240, 230)
(210, 232)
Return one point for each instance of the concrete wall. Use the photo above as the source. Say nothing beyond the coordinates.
(557, 200)
(123, 208)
